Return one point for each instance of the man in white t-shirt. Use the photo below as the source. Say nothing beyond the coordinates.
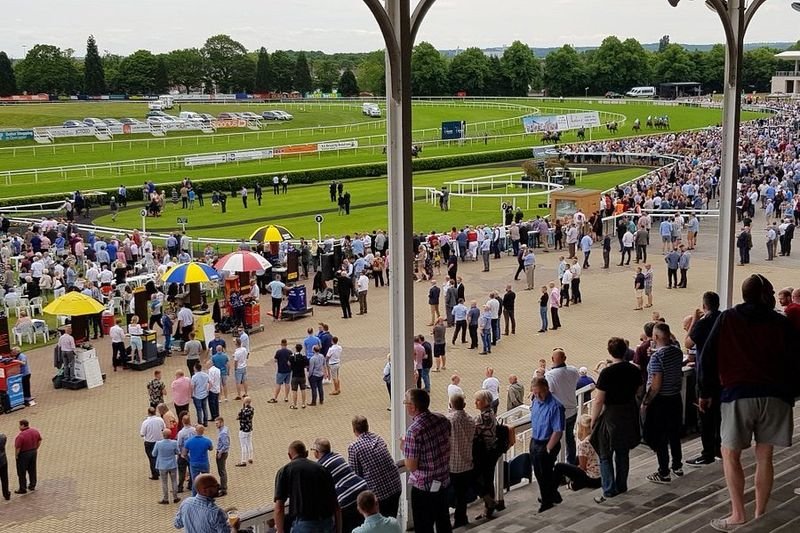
(454, 387)
(214, 387)
(492, 384)
(240, 363)
(334, 360)
(362, 286)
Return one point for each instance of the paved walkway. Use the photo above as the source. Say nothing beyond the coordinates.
(92, 468)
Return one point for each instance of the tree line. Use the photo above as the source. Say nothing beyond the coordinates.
(224, 65)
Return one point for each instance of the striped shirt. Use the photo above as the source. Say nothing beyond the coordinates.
(462, 433)
(370, 458)
(667, 361)
(347, 484)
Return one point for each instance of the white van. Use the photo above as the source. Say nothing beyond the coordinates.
(641, 92)
(368, 107)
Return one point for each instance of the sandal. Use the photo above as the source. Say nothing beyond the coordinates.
(273, 400)
(303, 406)
(723, 524)
(294, 407)
(240, 464)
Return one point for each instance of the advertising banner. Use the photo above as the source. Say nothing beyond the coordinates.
(41, 97)
(535, 123)
(589, 119)
(333, 146)
(249, 155)
(83, 131)
(296, 149)
(16, 135)
(230, 157)
(210, 159)
(453, 130)
(232, 123)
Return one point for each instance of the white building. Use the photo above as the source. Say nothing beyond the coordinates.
(788, 82)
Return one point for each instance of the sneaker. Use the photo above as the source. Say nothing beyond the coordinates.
(678, 472)
(658, 478)
(699, 461)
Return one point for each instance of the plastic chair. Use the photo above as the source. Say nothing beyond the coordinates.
(57, 293)
(19, 332)
(36, 304)
(40, 328)
(115, 305)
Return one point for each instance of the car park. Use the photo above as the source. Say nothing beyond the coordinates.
(129, 121)
(166, 120)
(73, 124)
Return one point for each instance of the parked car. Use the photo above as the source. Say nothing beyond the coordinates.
(155, 113)
(93, 122)
(207, 117)
(112, 122)
(166, 120)
(228, 115)
(129, 121)
(73, 124)
(283, 115)
(612, 94)
(249, 115)
(270, 115)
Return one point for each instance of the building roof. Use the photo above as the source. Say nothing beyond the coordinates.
(790, 55)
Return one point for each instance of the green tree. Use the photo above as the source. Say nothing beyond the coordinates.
(185, 68)
(302, 75)
(94, 79)
(242, 74)
(162, 76)
(371, 73)
(137, 73)
(283, 70)
(48, 69)
(674, 64)
(348, 86)
(618, 66)
(221, 54)
(522, 68)
(8, 82)
(758, 67)
(710, 68)
(326, 74)
(263, 81)
(469, 71)
(428, 71)
(565, 72)
(497, 83)
(111, 63)
(663, 43)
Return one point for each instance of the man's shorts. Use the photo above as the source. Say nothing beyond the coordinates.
(241, 375)
(334, 371)
(438, 350)
(768, 420)
(283, 378)
(666, 238)
(639, 293)
(299, 383)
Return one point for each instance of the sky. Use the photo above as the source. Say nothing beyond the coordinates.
(347, 25)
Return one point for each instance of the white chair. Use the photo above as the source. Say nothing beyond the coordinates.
(40, 328)
(36, 304)
(14, 305)
(24, 330)
(115, 305)
(61, 291)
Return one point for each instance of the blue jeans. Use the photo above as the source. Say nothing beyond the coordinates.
(425, 374)
(614, 475)
(202, 410)
(196, 470)
(486, 338)
(312, 526)
(167, 342)
(543, 315)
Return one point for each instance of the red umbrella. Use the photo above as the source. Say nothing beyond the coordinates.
(242, 261)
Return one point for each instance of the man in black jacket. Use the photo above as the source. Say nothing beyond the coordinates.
(344, 288)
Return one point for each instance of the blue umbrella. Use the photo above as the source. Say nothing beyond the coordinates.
(193, 272)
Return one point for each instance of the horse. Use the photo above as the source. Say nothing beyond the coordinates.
(612, 126)
(582, 134)
(551, 136)
(649, 122)
(637, 125)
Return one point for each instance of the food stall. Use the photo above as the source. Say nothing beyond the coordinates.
(244, 263)
(192, 275)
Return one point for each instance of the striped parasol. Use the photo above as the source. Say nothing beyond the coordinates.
(271, 233)
(242, 261)
(193, 272)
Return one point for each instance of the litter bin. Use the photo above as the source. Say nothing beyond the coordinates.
(297, 298)
(108, 320)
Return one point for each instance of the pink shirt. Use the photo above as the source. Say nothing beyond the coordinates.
(182, 391)
(555, 297)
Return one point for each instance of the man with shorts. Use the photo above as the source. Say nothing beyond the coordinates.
(750, 362)
(240, 356)
(284, 373)
(298, 362)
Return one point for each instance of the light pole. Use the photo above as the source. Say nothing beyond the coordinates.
(399, 27)
(735, 16)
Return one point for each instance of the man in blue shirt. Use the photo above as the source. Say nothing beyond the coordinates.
(460, 312)
(665, 230)
(672, 260)
(25, 372)
(223, 447)
(472, 324)
(310, 341)
(195, 450)
(200, 393)
(276, 287)
(200, 514)
(547, 426)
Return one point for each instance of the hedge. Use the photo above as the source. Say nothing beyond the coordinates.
(231, 184)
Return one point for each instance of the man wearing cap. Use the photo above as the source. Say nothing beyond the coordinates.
(584, 380)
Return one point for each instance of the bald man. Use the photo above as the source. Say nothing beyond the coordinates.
(757, 392)
(200, 514)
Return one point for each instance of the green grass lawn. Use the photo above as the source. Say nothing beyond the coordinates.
(296, 210)
(424, 117)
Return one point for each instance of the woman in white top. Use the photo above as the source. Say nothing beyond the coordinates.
(135, 331)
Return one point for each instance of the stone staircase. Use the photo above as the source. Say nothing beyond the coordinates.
(686, 505)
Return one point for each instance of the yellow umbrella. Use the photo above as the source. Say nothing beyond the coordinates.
(271, 233)
(74, 304)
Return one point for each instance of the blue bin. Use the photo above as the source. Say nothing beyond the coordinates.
(16, 397)
(297, 298)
